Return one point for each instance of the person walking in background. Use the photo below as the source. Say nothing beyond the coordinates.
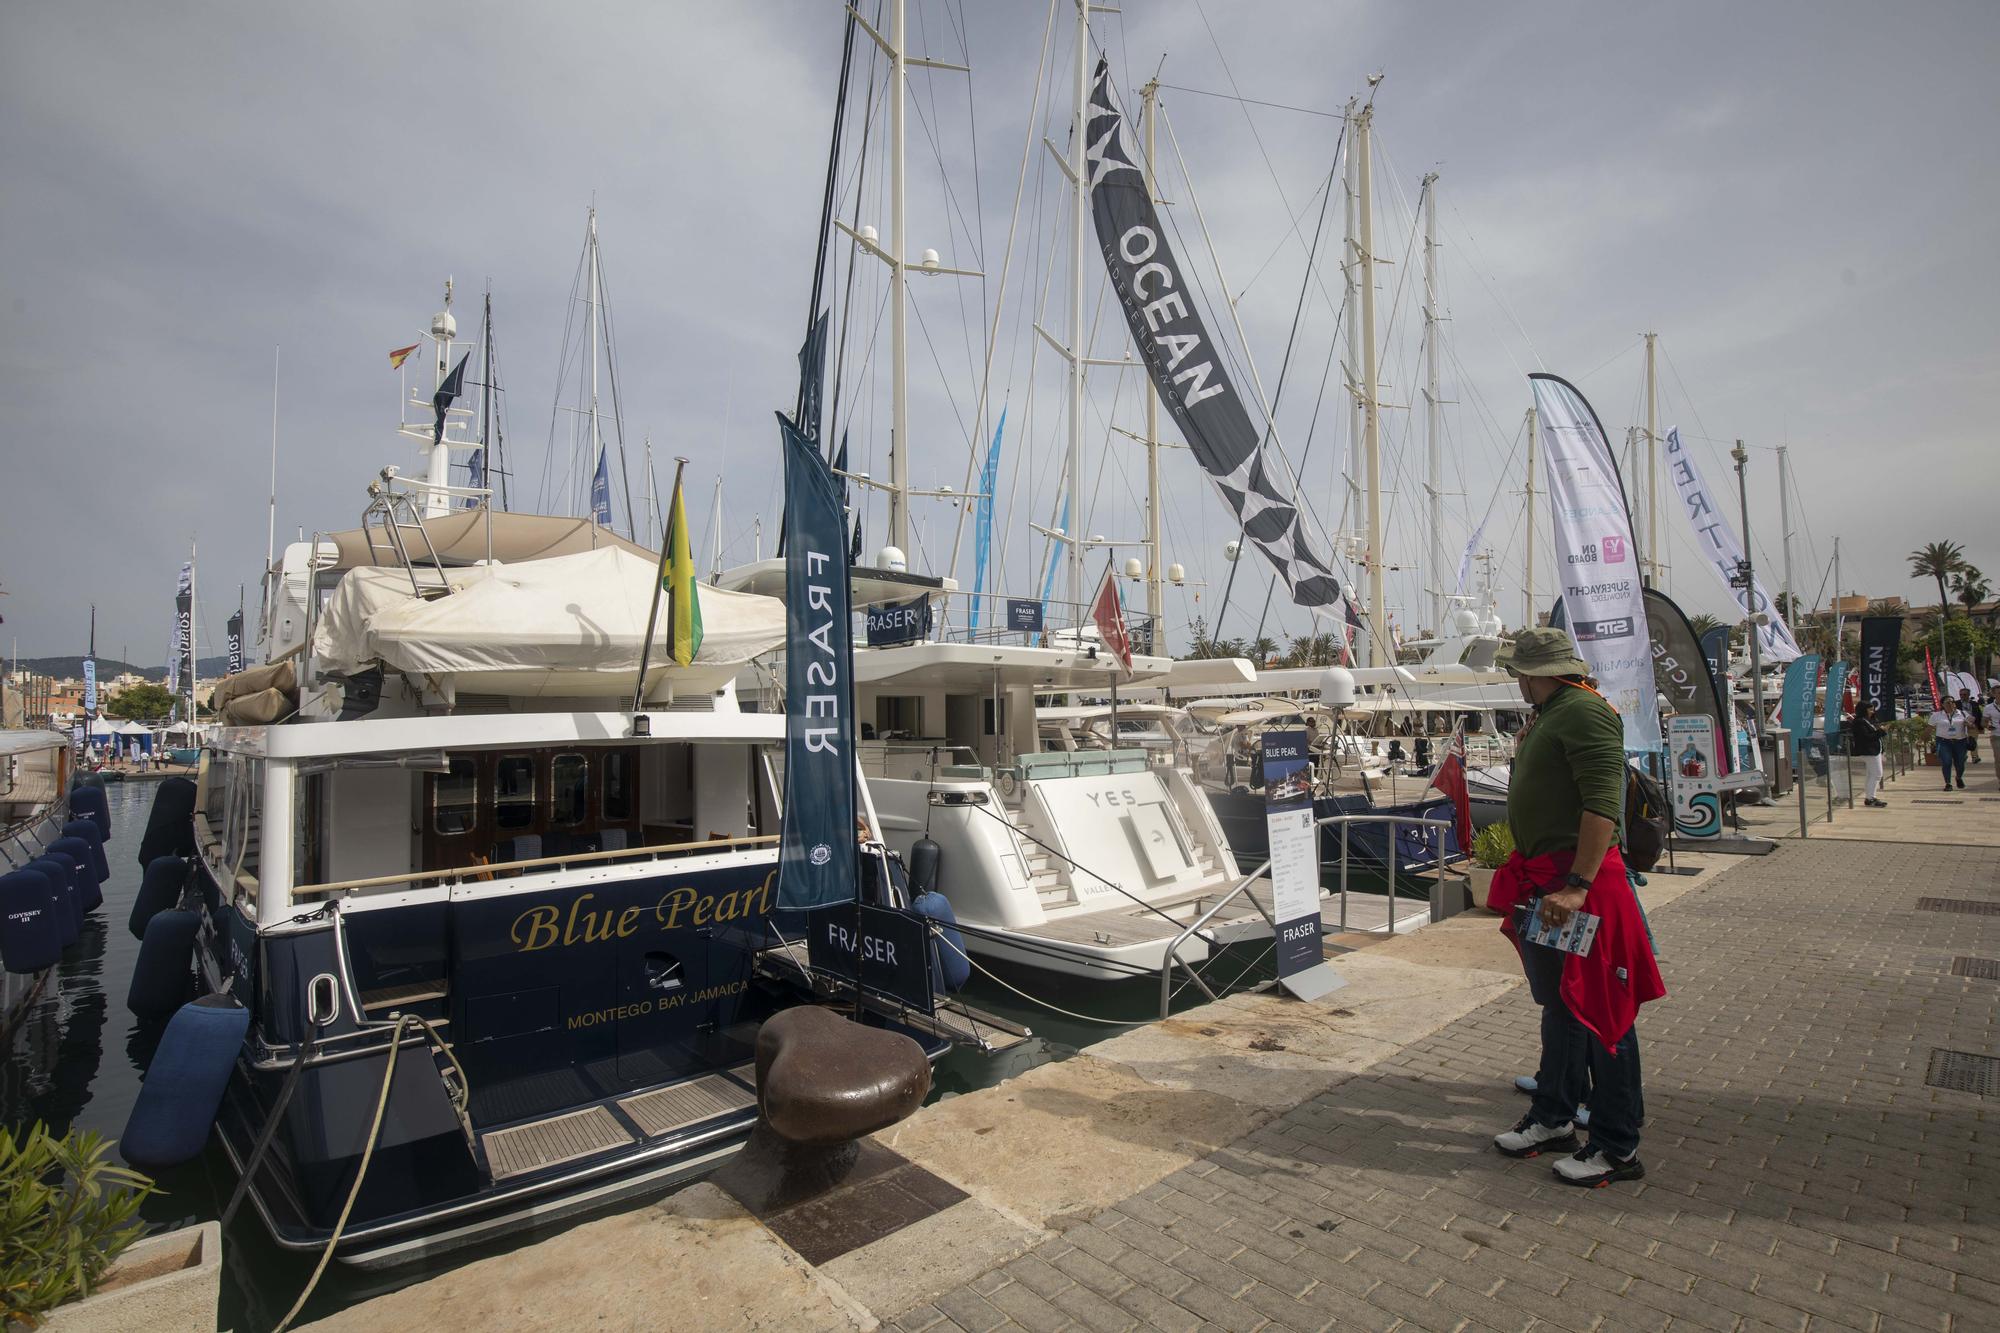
(1990, 715)
(1564, 800)
(1974, 724)
(1950, 726)
(1865, 735)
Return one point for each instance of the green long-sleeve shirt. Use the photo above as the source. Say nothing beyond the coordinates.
(1571, 760)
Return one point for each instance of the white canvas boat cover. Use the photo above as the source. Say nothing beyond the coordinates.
(577, 618)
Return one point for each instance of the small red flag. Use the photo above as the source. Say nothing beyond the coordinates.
(401, 354)
(1931, 672)
(1450, 779)
(1109, 615)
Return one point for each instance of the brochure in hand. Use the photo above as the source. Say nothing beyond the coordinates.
(1575, 935)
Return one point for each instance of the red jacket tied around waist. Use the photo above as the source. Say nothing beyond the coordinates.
(1604, 989)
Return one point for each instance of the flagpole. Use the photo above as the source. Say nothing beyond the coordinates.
(653, 614)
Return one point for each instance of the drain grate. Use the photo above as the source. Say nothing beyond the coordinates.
(1961, 1071)
(1979, 969)
(1937, 800)
(1960, 906)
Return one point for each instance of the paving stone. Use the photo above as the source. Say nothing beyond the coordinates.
(1801, 1176)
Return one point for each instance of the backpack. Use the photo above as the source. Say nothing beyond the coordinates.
(1643, 835)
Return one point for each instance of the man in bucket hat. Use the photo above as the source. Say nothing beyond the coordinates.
(1564, 797)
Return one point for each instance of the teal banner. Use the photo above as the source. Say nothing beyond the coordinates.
(1795, 706)
(1836, 685)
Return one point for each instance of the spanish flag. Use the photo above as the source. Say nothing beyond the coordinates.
(683, 597)
(401, 354)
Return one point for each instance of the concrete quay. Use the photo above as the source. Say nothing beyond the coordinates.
(1264, 1163)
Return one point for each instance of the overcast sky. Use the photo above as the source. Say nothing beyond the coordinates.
(1799, 198)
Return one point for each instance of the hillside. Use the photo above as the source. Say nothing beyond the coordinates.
(71, 668)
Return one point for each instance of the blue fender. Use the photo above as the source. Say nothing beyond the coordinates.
(184, 1084)
(164, 972)
(62, 885)
(91, 803)
(159, 889)
(87, 830)
(87, 879)
(952, 964)
(30, 933)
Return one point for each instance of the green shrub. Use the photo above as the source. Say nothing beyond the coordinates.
(1494, 844)
(65, 1214)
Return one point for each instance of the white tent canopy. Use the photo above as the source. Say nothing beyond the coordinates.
(568, 625)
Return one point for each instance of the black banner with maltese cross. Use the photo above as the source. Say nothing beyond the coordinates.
(1184, 361)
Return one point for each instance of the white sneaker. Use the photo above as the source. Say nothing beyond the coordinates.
(1529, 1139)
(1593, 1168)
(1526, 1083)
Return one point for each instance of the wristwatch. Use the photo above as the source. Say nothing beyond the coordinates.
(1575, 881)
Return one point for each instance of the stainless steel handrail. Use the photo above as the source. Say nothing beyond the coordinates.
(1172, 958)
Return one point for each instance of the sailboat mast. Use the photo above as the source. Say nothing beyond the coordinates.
(486, 396)
(194, 632)
(1433, 446)
(1653, 542)
(590, 345)
(1785, 525)
(1155, 595)
(1528, 583)
(1079, 207)
(271, 516)
(899, 329)
(1371, 417)
(1349, 268)
(715, 532)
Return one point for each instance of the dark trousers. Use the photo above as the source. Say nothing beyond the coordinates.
(1574, 1060)
(1951, 758)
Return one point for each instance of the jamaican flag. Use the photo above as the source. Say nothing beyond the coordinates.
(683, 597)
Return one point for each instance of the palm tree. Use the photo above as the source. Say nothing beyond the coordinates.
(1971, 588)
(1263, 650)
(1701, 624)
(1938, 560)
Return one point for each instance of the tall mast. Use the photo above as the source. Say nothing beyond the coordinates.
(1528, 584)
(271, 517)
(1378, 600)
(1349, 268)
(715, 531)
(1653, 543)
(1155, 601)
(1080, 206)
(899, 329)
(1837, 625)
(1785, 524)
(652, 503)
(486, 396)
(590, 344)
(194, 632)
(1433, 446)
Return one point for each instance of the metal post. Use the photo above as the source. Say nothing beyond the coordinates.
(1749, 575)
(1799, 781)
(1343, 877)
(1392, 878)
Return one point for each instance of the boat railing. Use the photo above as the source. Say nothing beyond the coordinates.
(485, 871)
(1172, 958)
(1063, 623)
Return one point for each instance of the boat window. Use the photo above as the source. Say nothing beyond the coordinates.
(455, 798)
(514, 792)
(617, 785)
(308, 860)
(569, 789)
(995, 727)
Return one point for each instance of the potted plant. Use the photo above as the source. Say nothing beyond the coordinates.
(1493, 845)
(71, 1253)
